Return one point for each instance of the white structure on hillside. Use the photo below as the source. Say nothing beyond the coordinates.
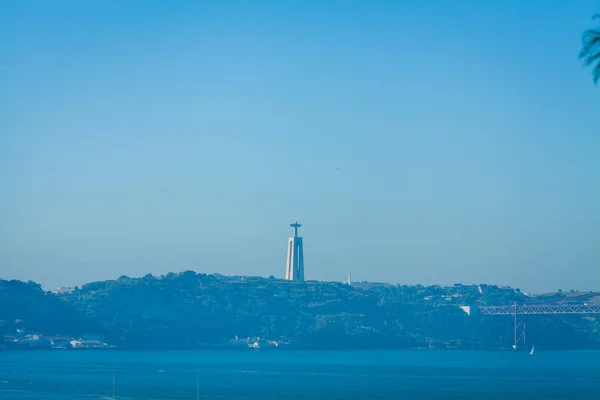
(294, 268)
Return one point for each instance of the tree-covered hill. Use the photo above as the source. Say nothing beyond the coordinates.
(189, 309)
(27, 307)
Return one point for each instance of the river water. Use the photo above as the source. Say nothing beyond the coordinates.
(291, 374)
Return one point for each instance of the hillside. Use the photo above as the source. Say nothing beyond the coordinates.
(27, 307)
(189, 309)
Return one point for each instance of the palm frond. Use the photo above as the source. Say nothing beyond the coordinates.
(592, 58)
(590, 50)
(589, 41)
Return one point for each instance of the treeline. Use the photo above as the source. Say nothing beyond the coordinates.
(189, 309)
(25, 306)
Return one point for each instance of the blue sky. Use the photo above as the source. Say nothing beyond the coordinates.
(417, 141)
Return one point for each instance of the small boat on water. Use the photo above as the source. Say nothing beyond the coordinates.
(198, 385)
(113, 388)
(532, 349)
(254, 345)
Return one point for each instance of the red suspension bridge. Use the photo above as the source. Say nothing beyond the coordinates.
(530, 309)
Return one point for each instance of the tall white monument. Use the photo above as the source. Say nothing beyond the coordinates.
(294, 268)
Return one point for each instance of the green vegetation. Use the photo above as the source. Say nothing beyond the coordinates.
(590, 50)
(26, 306)
(189, 309)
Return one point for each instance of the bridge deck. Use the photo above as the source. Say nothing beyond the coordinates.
(539, 309)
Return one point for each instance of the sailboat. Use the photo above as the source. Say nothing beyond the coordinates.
(198, 385)
(532, 349)
(113, 389)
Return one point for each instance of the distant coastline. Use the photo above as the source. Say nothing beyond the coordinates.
(197, 311)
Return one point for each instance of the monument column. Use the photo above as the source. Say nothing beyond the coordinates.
(294, 269)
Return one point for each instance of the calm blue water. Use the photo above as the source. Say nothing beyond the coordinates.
(250, 374)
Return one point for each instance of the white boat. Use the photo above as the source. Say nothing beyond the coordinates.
(532, 349)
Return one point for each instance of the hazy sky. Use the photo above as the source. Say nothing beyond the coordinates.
(417, 141)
